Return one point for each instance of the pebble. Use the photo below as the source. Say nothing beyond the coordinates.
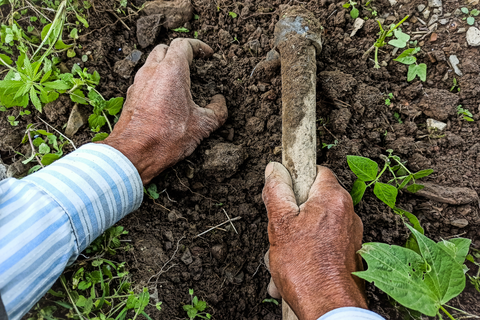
(446, 15)
(421, 7)
(435, 126)
(78, 118)
(473, 37)
(357, 25)
(187, 257)
(437, 11)
(426, 14)
(461, 30)
(224, 160)
(433, 27)
(219, 252)
(443, 21)
(454, 62)
(435, 3)
(433, 37)
(459, 223)
(169, 236)
(457, 12)
(124, 68)
(433, 19)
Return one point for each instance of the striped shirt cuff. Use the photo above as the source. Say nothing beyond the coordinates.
(96, 186)
(350, 313)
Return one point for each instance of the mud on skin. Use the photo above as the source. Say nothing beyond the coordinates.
(233, 280)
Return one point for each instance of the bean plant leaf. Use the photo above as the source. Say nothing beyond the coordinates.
(457, 248)
(405, 182)
(421, 282)
(415, 187)
(464, 10)
(401, 39)
(423, 173)
(114, 105)
(354, 13)
(96, 122)
(358, 190)
(387, 193)
(475, 12)
(78, 96)
(100, 137)
(364, 168)
(346, 5)
(406, 57)
(471, 21)
(419, 70)
(411, 217)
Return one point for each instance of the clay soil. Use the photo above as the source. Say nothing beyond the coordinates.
(226, 171)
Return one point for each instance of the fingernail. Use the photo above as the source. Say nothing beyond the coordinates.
(269, 169)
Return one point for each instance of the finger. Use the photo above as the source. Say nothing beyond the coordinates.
(218, 105)
(325, 179)
(157, 55)
(278, 192)
(190, 48)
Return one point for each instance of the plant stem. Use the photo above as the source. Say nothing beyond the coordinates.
(33, 148)
(108, 122)
(377, 66)
(71, 300)
(379, 176)
(464, 312)
(446, 312)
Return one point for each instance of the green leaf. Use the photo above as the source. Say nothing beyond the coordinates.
(232, 14)
(354, 13)
(386, 193)
(346, 5)
(358, 190)
(475, 12)
(158, 305)
(6, 59)
(71, 53)
(96, 121)
(44, 148)
(201, 305)
(457, 248)
(192, 313)
(406, 56)
(423, 173)
(364, 168)
(78, 96)
(181, 29)
(419, 282)
(464, 10)
(190, 291)
(84, 285)
(35, 100)
(415, 187)
(74, 33)
(81, 301)
(405, 182)
(64, 304)
(114, 105)
(401, 39)
(82, 20)
(419, 70)
(100, 136)
(471, 21)
(411, 217)
(57, 85)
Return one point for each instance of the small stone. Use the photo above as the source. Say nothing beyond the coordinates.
(168, 245)
(462, 30)
(148, 29)
(447, 15)
(124, 68)
(459, 223)
(169, 235)
(435, 3)
(435, 126)
(437, 11)
(224, 37)
(433, 27)
(454, 62)
(224, 160)
(187, 257)
(357, 25)
(426, 14)
(421, 43)
(457, 12)
(174, 215)
(78, 118)
(443, 21)
(219, 252)
(176, 13)
(421, 7)
(433, 19)
(433, 37)
(473, 37)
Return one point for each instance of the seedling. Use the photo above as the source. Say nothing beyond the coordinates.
(388, 100)
(330, 146)
(151, 191)
(397, 116)
(13, 121)
(400, 42)
(414, 69)
(366, 171)
(196, 308)
(475, 280)
(455, 85)
(274, 301)
(470, 19)
(423, 278)
(108, 242)
(181, 29)
(372, 11)
(232, 14)
(354, 12)
(464, 114)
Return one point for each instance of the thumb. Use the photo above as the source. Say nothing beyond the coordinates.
(218, 105)
(278, 192)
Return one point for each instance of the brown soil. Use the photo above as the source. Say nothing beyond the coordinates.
(227, 269)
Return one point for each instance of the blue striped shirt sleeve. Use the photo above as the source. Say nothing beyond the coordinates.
(351, 313)
(49, 217)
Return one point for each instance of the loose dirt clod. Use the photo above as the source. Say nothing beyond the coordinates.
(439, 103)
(148, 29)
(223, 160)
(176, 12)
(450, 195)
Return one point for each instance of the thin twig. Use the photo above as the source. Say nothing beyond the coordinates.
(33, 149)
(330, 132)
(230, 221)
(171, 258)
(221, 224)
(71, 142)
(124, 24)
(38, 12)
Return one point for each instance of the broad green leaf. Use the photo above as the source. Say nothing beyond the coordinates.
(386, 193)
(411, 217)
(192, 313)
(57, 85)
(114, 105)
(201, 305)
(38, 141)
(419, 70)
(423, 173)
(44, 148)
(457, 248)
(415, 187)
(406, 56)
(419, 282)
(158, 305)
(81, 301)
(82, 20)
(464, 10)
(6, 59)
(232, 14)
(100, 137)
(354, 13)
(74, 33)
(405, 182)
(346, 5)
(96, 121)
(401, 39)
(194, 301)
(471, 21)
(364, 168)
(78, 96)
(358, 190)
(10, 84)
(84, 285)
(88, 306)
(49, 158)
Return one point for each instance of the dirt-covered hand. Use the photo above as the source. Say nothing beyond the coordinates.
(313, 246)
(160, 124)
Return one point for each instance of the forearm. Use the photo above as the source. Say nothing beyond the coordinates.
(49, 217)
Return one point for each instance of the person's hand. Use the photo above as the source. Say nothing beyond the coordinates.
(160, 124)
(313, 247)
